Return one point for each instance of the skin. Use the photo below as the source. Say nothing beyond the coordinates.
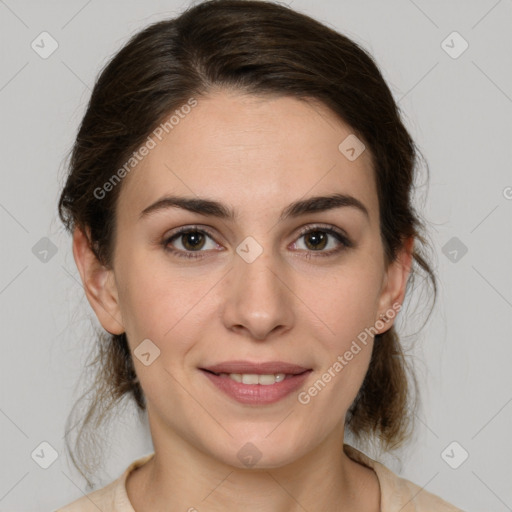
(255, 155)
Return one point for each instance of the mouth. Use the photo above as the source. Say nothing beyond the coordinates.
(256, 383)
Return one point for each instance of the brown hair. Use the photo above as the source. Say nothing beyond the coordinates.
(260, 48)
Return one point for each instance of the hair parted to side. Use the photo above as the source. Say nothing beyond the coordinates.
(262, 48)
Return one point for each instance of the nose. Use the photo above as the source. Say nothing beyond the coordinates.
(258, 297)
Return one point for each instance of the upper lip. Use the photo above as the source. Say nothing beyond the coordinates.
(261, 368)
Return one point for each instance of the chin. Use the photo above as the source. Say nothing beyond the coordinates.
(260, 451)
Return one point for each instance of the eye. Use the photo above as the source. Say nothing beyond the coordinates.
(317, 238)
(192, 239)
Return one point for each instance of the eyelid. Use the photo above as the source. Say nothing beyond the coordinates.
(189, 228)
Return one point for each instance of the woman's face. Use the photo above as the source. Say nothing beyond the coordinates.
(251, 287)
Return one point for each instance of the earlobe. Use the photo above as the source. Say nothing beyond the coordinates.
(99, 284)
(393, 291)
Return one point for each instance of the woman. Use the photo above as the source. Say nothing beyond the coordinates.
(240, 201)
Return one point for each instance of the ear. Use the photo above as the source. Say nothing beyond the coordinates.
(394, 284)
(99, 283)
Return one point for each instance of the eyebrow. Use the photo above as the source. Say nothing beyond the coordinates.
(215, 209)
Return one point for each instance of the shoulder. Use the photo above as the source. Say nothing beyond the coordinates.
(102, 499)
(399, 494)
(111, 498)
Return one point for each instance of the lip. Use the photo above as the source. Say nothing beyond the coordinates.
(258, 368)
(256, 394)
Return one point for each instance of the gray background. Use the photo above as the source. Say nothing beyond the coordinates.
(459, 110)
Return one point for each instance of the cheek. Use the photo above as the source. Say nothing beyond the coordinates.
(345, 358)
(347, 305)
(164, 305)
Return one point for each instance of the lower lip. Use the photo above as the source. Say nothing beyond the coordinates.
(257, 394)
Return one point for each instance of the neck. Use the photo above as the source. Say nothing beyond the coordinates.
(181, 477)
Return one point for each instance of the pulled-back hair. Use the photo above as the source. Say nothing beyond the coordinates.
(260, 48)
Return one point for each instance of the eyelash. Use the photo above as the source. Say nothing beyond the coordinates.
(345, 242)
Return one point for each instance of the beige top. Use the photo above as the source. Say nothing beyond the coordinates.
(397, 494)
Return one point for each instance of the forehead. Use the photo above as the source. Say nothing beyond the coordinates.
(251, 152)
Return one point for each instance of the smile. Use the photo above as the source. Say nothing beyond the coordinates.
(256, 388)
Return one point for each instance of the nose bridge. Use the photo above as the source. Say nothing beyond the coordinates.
(257, 297)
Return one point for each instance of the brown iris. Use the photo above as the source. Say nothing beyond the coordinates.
(195, 238)
(319, 239)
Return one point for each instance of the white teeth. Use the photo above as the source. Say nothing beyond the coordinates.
(266, 380)
(252, 378)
